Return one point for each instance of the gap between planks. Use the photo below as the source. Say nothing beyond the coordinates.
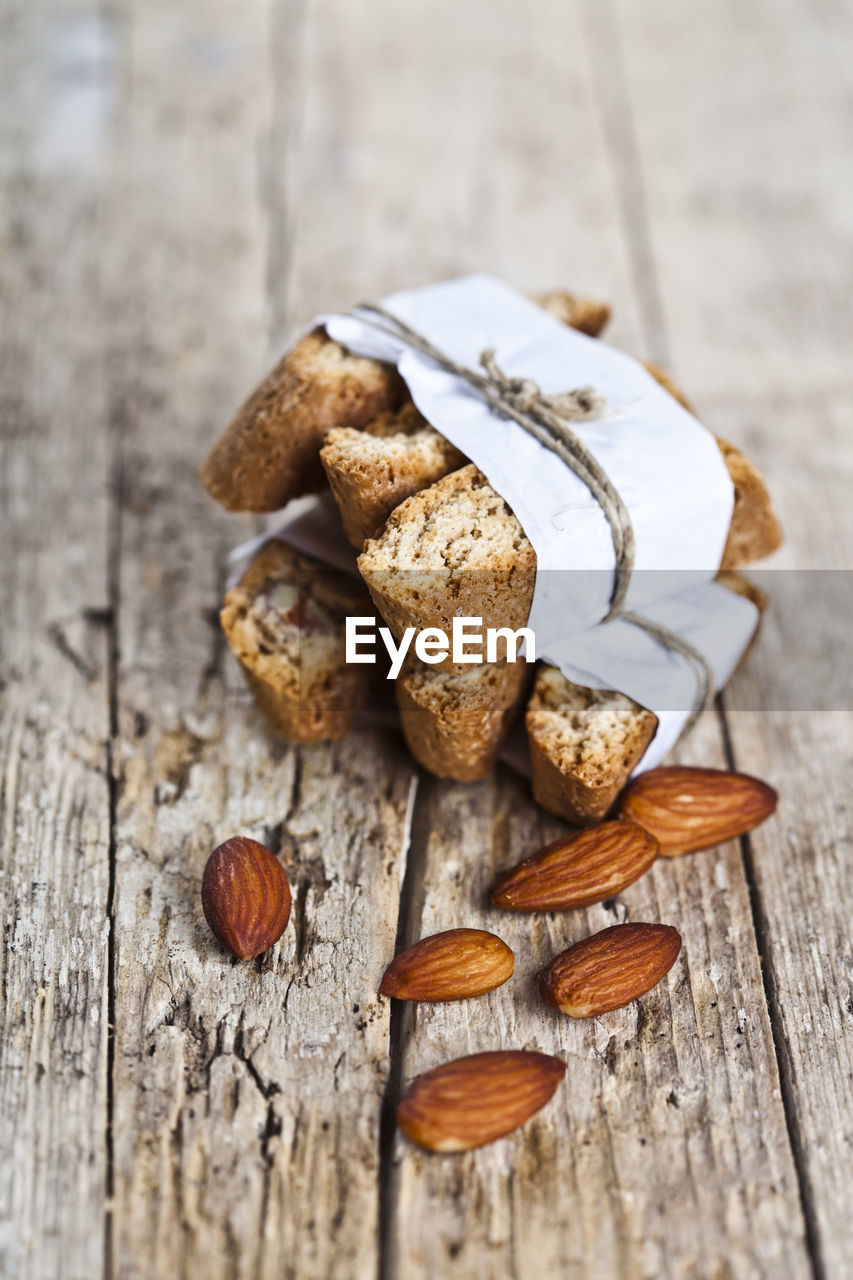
(771, 997)
(114, 542)
(610, 84)
(604, 41)
(615, 105)
(416, 835)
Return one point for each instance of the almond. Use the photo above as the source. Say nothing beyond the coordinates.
(474, 1100)
(245, 896)
(449, 966)
(610, 969)
(689, 809)
(578, 870)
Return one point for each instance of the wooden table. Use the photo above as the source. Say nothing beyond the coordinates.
(184, 185)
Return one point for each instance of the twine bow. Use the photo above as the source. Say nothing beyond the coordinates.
(547, 418)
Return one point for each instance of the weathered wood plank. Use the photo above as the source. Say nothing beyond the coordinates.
(762, 201)
(54, 668)
(665, 1152)
(440, 139)
(247, 1096)
(741, 120)
(801, 870)
(265, 168)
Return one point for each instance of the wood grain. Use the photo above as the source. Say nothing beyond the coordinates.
(247, 1096)
(771, 317)
(54, 668)
(183, 187)
(671, 1102)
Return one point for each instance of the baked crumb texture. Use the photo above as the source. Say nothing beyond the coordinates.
(270, 452)
(372, 471)
(585, 314)
(584, 743)
(284, 622)
(453, 550)
(456, 722)
(754, 531)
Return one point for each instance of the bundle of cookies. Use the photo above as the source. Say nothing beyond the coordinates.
(435, 542)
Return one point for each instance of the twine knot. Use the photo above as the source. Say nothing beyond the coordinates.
(578, 405)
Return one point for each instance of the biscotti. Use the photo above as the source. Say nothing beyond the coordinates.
(754, 531)
(445, 551)
(440, 548)
(453, 550)
(284, 622)
(270, 452)
(366, 471)
(584, 744)
(456, 722)
(663, 379)
(584, 314)
(372, 471)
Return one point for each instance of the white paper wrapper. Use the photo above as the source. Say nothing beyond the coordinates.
(665, 464)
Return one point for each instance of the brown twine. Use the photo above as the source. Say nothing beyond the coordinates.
(547, 418)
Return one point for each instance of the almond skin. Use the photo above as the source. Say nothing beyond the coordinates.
(245, 896)
(578, 870)
(610, 969)
(452, 965)
(472, 1101)
(689, 809)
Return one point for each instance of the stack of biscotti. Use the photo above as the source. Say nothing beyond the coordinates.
(436, 542)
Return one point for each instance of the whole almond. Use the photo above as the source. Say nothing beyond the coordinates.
(245, 896)
(689, 809)
(578, 870)
(449, 966)
(471, 1101)
(610, 969)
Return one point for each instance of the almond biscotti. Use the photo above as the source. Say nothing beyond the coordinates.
(584, 744)
(269, 453)
(571, 730)
(585, 314)
(754, 532)
(453, 550)
(372, 471)
(284, 622)
(456, 722)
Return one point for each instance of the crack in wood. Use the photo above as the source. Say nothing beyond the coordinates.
(113, 566)
(604, 40)
(411, 894)
(59, 637)
(764, 943)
